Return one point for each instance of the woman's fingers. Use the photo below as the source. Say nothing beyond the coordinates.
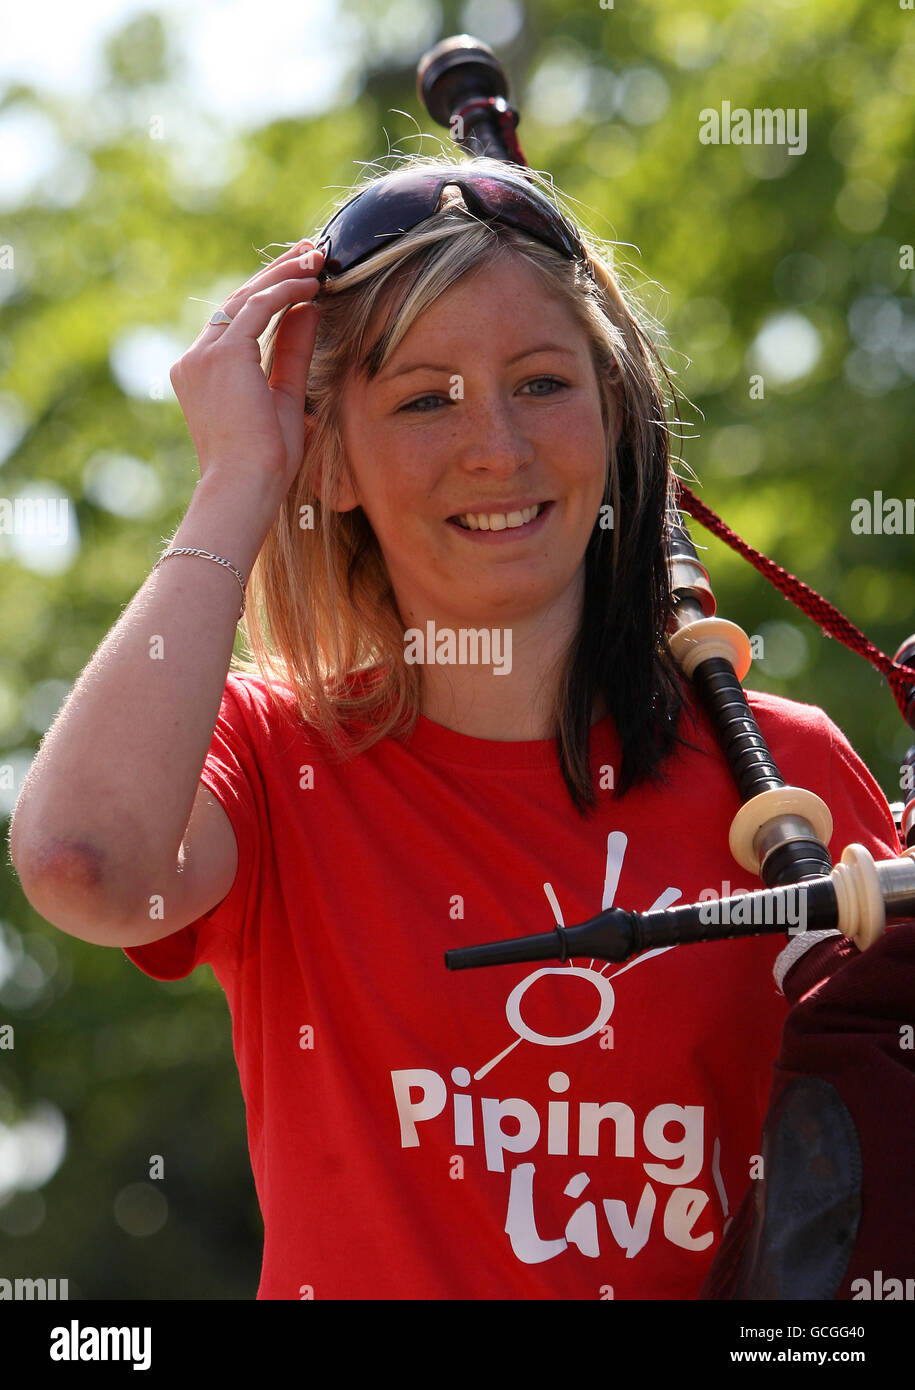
(294, 261)
(251, 314)
(295, 341)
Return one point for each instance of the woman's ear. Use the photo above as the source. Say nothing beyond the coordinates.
(345, 497)
(341, 495)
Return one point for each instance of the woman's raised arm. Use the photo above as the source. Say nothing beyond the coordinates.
(102, 815)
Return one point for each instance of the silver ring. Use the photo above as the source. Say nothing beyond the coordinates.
(220, 317)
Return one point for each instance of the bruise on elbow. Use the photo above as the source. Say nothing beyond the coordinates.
(75, 864)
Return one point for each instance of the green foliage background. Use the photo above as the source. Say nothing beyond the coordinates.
(727, 237)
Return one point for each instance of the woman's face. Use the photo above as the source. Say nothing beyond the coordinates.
(490, 405)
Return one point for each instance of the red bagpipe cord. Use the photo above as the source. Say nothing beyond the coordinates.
(506, 121)
(833, 623)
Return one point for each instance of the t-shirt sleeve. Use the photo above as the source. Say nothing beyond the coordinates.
(231, 774)
(860, 811)
(813, 752)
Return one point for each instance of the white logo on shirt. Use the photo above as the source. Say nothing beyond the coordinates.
(679, 1161)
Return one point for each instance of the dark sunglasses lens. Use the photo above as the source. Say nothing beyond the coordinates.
(385, 210)
(522, 209)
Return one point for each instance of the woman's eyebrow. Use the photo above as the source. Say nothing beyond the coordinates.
(437, 367)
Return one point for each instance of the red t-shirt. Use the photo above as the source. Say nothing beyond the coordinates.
(531, 1131)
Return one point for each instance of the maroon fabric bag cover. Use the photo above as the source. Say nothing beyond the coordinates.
(832, 1215)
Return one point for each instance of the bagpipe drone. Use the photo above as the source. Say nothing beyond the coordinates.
(805, 1231)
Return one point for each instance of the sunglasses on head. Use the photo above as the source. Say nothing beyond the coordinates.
(398, 202)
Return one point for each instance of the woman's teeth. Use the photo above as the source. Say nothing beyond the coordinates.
(498, 521)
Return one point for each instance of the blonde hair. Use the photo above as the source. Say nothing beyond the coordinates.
(321, 615)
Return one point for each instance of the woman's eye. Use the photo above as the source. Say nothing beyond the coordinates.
(412, 405)
(549, 380)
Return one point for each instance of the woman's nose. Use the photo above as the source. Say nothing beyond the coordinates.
(496, 438)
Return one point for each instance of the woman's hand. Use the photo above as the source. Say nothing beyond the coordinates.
(242, 424)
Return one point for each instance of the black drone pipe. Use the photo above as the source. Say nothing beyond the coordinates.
(834, 900)
(615, 935)
(463, 86)
(795, 851)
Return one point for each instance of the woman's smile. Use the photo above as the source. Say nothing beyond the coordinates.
(497, 526)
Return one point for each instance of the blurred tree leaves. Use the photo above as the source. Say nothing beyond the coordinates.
(744, 252)
(139, 53)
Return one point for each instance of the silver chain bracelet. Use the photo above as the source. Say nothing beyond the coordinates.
(206, 555)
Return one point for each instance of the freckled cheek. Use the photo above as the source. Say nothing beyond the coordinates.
(584, 454)
(407, 482)
(396, 502)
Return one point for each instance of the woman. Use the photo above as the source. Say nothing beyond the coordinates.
(461, 723)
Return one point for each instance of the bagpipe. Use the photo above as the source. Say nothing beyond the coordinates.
(831, 1204)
